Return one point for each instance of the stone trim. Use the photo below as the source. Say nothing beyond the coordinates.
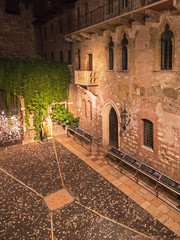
(105, 121)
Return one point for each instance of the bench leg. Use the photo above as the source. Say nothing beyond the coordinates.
(120, 165)
(136, 177)
(156, 190)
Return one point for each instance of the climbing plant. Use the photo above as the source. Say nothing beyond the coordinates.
(65, 117)
(40, 82)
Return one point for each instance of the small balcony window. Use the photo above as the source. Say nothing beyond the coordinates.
(111, 54)
(124, 53)
(166, 49)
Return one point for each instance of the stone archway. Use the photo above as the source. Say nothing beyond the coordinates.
(108, 105)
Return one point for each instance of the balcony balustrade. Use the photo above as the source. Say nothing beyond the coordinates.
(86, 78)
(122, 9)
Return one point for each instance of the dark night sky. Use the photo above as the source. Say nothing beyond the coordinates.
(39, 5)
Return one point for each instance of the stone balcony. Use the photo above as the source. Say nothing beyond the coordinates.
(86, 78)
(99, 19)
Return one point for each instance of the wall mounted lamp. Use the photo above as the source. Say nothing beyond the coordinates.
(125, 118)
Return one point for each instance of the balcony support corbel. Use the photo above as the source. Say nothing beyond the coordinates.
(137, 17)
(86, 35)
(176, 4)
(97, 31)
(77, 38)
(124, 21)
(155, 15)
(68, 39)
(110, 27)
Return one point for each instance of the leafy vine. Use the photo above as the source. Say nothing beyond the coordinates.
(40, 82)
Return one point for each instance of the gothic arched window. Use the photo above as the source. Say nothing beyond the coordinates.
(166, 48)
(110, 6)
(111, 54)
(124, 53)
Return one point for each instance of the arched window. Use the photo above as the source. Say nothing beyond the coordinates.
(78, 17)
(111, 54)
(61, 57)
(110, 6)
(166, 48)
(69, 57)
(90, 110)
(124, 4)
(12, 7)
(148, 133)
(60, 27)
(84, 108)
(52, 30)
(124, 53)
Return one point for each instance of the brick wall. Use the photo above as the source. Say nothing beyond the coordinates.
(17, 36)
(149, 93)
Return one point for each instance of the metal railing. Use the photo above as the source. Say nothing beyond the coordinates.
(86, 78)
(103, 13)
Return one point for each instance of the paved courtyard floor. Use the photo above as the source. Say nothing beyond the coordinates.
(59, 190)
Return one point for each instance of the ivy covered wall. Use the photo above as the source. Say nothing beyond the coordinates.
(39, 82)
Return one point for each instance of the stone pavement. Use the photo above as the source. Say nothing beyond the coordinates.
(49, 192)
(146, 199)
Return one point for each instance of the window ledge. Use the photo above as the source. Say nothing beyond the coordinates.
(147, 148)
(164, 70)
(109, 70)
(123, 71)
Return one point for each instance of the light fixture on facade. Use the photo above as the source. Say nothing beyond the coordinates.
(125, 118)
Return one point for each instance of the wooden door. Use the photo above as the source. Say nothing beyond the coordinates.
(113, 128)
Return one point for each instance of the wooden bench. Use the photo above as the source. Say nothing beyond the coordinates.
(160, 180)
(83, 137)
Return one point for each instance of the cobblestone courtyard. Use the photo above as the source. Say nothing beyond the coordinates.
(88, 207)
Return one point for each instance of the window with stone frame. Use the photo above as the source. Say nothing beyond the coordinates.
(52, 30)
(78, 18)
(124, 4)
(69, 57)
(110, 6)
(124, 53)
(89, 110)
(61, 56)
(84, 108)
(111, 54)
(60, 26)
(166, 49)
(12, 7)
(86, 13)
(148, 133)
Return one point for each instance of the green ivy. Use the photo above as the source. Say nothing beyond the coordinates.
(40, 82)
(65, 117)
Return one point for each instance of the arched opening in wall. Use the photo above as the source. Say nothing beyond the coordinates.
(165, 48)
(89, 110)
(11, 131)
(84, 108)
(113, 128)
(110, 124)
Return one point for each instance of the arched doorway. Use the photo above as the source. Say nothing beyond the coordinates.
(113, 128)
(110, 124)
